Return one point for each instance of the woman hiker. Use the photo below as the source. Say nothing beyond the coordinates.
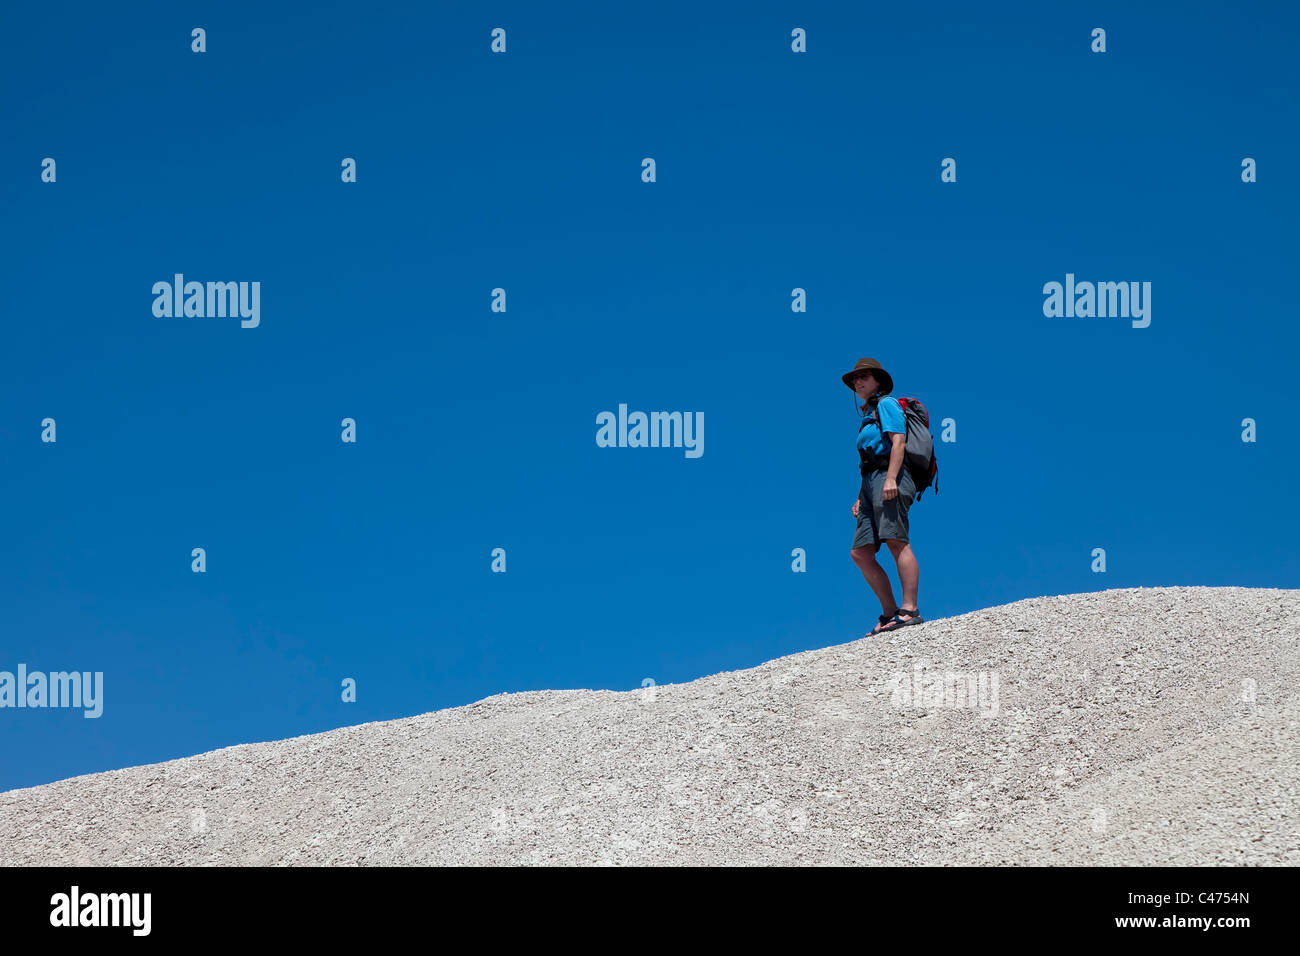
(887, 492)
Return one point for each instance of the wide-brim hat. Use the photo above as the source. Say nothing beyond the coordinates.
(870, 365)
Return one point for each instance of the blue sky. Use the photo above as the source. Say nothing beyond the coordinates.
(476, 429)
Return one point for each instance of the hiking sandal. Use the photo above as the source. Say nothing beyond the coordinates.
(884, 625)
(913, 617)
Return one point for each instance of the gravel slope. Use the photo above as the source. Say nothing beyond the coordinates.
(1124, 733)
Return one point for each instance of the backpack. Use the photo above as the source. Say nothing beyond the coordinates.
(919, 459)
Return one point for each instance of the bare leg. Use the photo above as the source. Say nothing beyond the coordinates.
(877, 577)
(909, 572)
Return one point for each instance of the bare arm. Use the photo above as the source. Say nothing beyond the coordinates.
(896, 455)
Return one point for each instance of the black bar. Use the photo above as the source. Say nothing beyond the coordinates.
(932, 907)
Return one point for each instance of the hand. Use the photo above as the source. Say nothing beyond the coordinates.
(890, 489)
(854, 509)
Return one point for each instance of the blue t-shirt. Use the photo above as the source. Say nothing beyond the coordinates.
(870, 438)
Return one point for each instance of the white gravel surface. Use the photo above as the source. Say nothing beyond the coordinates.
(1131, 726)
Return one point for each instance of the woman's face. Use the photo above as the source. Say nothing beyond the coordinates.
(864, 383)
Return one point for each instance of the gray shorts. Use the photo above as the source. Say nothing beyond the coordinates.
(883, 519)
